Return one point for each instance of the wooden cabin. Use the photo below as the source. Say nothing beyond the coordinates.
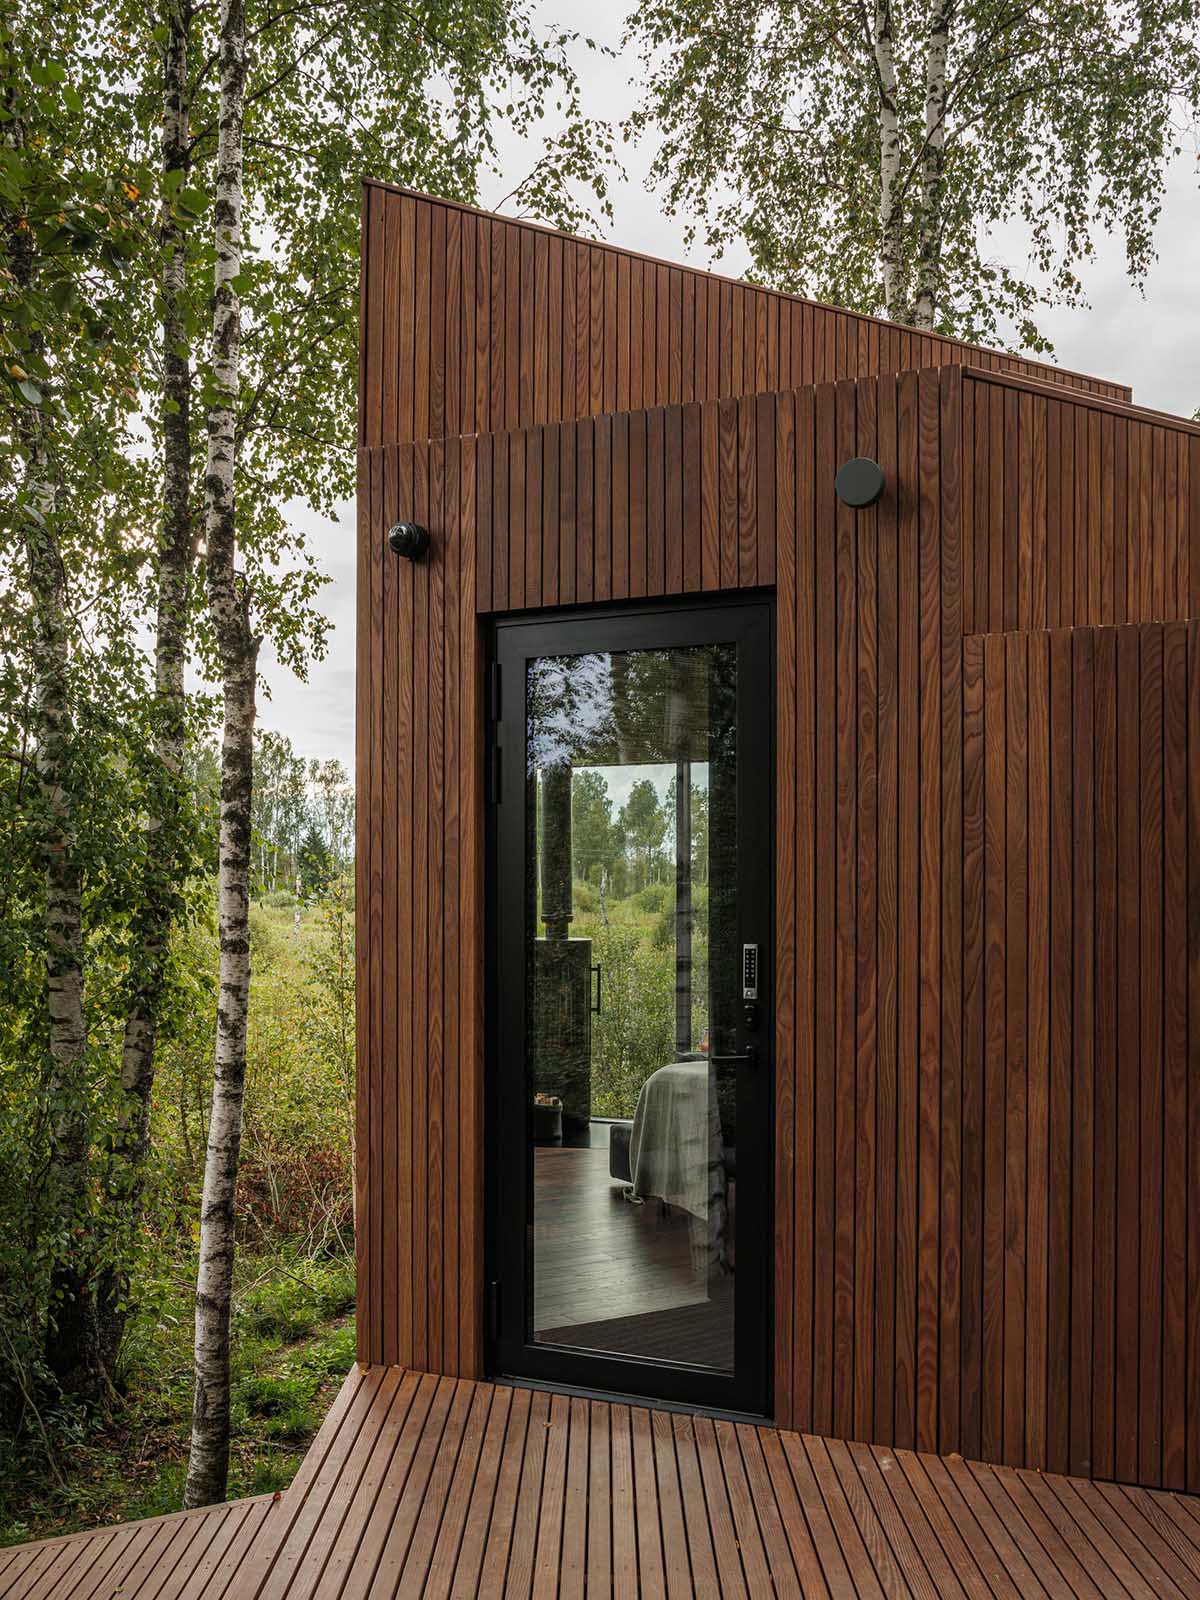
(868, 1100)
(778, 963)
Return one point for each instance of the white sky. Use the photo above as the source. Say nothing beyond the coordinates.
(1150, 341)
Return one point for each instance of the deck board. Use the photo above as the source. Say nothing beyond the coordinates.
(418, 1485)
(186, 1555)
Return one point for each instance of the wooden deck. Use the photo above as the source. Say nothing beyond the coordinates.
(425, 1486)
(192, 1555)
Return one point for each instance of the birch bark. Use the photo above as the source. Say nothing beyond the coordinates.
(72, 1344)
(229, 607)
(890, 213)
(148, 965)
(932, 165)
(72, 1349)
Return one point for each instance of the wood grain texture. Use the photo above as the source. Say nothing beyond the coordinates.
(420, 1485)
(986, 1082)
(1083, 512)
(187, 1555)
(972, 1091)
(567, 328)
(1103, 779)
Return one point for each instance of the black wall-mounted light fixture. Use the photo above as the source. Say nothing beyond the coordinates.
(859, 482)
(408, 539)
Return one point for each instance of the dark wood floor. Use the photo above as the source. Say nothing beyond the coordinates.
(425, 1486)
(616, 1276)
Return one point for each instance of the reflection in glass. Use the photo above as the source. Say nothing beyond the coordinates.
(631, 922)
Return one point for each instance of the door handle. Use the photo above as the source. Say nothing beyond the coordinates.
(750, 1058)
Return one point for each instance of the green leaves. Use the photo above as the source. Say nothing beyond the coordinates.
(1057, 117)
(193, 202)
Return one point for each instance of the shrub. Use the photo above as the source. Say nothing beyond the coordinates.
(585, 899)
(653, 897)
(291, 1306)
(634, 1034)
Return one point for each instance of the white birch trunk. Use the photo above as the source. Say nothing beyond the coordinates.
(72, 1348)
(72, 1351)
(932, 165)
(208, 1460)
(890, 232)
(148, 964)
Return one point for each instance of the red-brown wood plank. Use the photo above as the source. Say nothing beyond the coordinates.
(824, 1204)
(973, 1057)
(908, 915)
(886, 914)
(445, 1487)
(1016, 1084)
(1058, 1313)
(924, 1178)
(413, 1281)
(950, 844)
(1105, 1102)
(1150, 1286)
(865, 890)
(995, 1125)
(843, 1039)
(1128, 1198)
(804, 1122)
(929, 1036)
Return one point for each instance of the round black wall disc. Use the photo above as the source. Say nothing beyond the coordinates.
(859, 482)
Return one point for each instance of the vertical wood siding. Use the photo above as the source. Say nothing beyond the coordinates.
(987, 1222)
(1079, 512)
(474, 323)
(1081, 757)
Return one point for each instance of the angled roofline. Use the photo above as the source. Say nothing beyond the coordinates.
(1079, 378)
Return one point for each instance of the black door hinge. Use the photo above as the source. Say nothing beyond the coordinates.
(494, 1310)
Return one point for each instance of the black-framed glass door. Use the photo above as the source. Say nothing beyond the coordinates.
(629, 996)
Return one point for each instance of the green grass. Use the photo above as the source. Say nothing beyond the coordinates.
(293, 1336)
(293, 1344)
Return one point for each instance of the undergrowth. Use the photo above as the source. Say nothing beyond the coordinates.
(293, 1343)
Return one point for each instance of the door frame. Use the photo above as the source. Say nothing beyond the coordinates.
(747, 619)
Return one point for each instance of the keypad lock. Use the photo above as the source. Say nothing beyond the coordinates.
(749, 972)
(750, 987)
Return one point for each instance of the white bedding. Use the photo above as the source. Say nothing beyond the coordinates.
(675, 1150)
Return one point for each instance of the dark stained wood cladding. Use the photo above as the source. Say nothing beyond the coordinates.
(1081, 1051)
(981, 1118)
(474, 323)
(1075, 511)
(420, 917)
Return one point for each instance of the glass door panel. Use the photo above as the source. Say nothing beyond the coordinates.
(638, 1049)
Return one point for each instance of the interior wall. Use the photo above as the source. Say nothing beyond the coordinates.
(955, 1164)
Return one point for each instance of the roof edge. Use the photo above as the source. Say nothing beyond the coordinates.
(722, 277)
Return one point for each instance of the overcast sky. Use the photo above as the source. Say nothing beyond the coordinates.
(1151, 341)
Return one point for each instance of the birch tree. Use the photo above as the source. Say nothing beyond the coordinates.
(307, 97)
(72, 218)
(237, 643)
(160, 900)
(106, 264)
(868, 151)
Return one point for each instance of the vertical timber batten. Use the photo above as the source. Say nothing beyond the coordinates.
(452, 295)
(987, 694)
